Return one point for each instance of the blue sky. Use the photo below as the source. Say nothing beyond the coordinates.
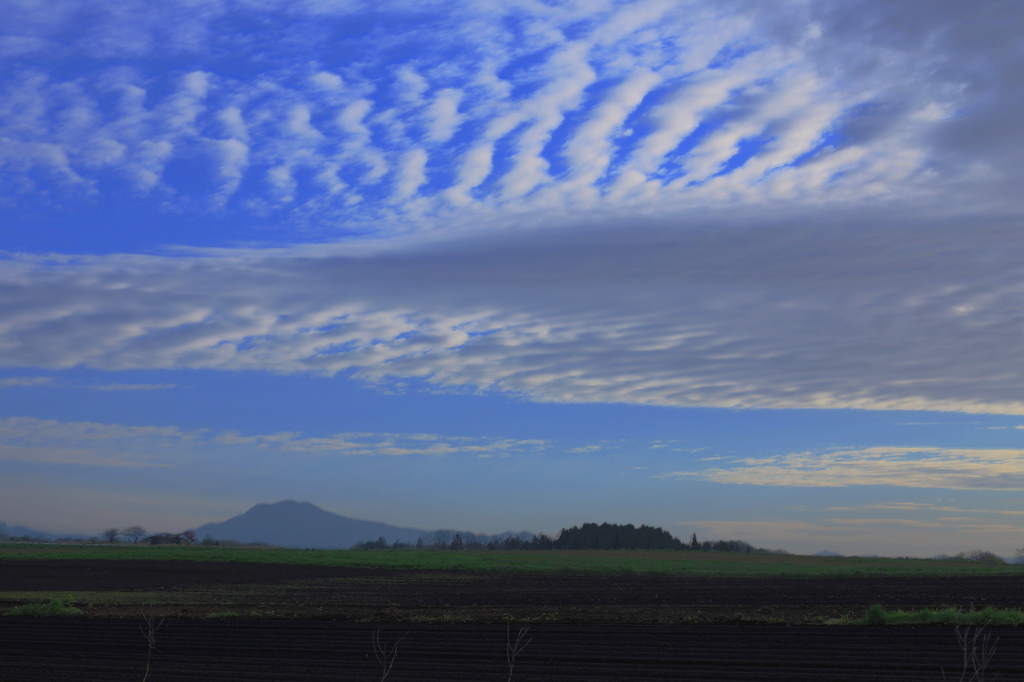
(750, 273)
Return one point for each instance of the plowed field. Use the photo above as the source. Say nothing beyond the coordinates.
(454, 625)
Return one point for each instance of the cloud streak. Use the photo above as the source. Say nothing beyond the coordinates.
(49, 441)
(915, 467)
(849, 314)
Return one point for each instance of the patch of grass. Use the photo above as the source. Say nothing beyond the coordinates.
(55, 607)
(876, 614)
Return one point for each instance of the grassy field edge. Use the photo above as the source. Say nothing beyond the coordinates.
(713, 564)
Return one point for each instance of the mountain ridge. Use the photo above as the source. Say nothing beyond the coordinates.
(303, 525)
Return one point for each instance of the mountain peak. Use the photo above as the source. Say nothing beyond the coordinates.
(286, 504)
(289, 523)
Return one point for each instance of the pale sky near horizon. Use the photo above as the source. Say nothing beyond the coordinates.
(750, 270)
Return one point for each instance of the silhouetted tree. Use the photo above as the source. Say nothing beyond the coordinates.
(442, 539)
(980, 556)
(164, 539)
(190, 537)
(541, 542)
(134, 533)
(110, 534)
(380, 543)
(513, 542)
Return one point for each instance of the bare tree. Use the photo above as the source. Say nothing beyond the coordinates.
(110, 534)
(190, 537)
(134, 533)
(441, 538)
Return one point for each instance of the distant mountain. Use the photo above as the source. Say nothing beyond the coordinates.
(22, 531)
(826, 553)
(301, 524)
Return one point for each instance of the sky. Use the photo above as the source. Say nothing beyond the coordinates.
(747, 270)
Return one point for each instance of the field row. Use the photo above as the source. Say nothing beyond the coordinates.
(199, 589)
(86, 649)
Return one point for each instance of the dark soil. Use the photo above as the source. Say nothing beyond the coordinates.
(386, 595)
(454, 625)
(257, 650)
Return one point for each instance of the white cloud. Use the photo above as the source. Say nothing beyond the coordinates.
(325, 80)
(801, 314)
(912, 467)
(41, 455)
(570, 74)
(45, 441)
(910, 114)
(590, 149)
(32, 431)
(299, 123)
(133, 387)
(476, 166)
(233, 161)
(443, 115)
(412, 173)
(412, 84)
(351, 117)
(21, 382)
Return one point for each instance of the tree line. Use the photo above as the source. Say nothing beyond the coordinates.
(585, 536)
(137, 534)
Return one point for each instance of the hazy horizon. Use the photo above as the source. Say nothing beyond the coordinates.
(306, 530)
(751, 273)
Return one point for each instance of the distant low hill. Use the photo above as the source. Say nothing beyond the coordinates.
(301, 524)
(21, 532)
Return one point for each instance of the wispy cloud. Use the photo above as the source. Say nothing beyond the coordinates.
(133, 387)
(926, 507)
(22, 382)
(777, 316)
(921, 467)
(29, 430)
(96, 444)
(649, 101)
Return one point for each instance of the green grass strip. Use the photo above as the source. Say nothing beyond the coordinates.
(603, 562)
(55, 607)
(878, 615)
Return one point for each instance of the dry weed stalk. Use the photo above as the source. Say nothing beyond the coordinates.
(977, 648)
(149, 632)
(513, 649)
(386, 658)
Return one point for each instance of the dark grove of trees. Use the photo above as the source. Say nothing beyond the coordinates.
(614, 536)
